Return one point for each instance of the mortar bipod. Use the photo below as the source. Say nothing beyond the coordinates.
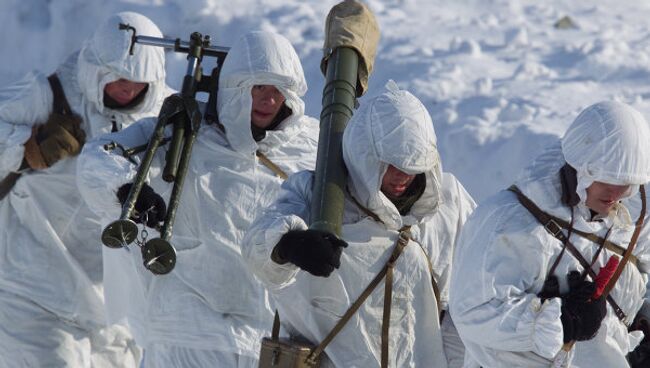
(182, 111)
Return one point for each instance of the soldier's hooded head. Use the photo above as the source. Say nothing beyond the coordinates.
(105, 58)
(608, 143)
(392, 129)
(258, 59)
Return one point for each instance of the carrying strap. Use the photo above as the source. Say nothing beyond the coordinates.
(552, 226)
(365, 210)
(434, 284)
(628, 253)
(403, 240)
(555, 224)
(273, 167)
(386, 271)
(8, 182)
(275, 331)
(60, 104)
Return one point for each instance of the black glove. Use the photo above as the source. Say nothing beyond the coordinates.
(550, 289)
(581, 316)
(317, 252)
(640, 357)
(150, 205)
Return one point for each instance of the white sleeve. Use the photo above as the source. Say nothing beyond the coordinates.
(26, 103)
(497, 262)
(288, 212)
(462, 205)
(100, 172)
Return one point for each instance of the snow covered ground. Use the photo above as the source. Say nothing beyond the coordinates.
(498, 78)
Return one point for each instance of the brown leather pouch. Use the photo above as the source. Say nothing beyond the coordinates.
(285, 353)
(279, 352)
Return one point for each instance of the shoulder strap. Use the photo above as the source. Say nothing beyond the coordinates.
(609, 245)
(273, 167)
(628, 253)
(275, 331)
(386, 271)
(365, 210)
(60, 103)
(554, 229)
(404, 237)
(434, 284)
(554, 225)
(8, 183)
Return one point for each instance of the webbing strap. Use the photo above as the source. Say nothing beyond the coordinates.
(628, 253)
(402, 241)
(404, 237)
(555, 223)
(60, 104)
(365, 210)
(273, 167)
(546, 220)
(275, 331)
(434, 284)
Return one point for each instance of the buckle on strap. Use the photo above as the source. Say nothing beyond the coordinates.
(553, 228)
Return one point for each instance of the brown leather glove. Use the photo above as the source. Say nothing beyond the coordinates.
(33, 155)
(60, 137)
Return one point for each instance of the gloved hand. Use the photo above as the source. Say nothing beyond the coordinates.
(60, 137)
(581, 316)
(550, 289)
(149, 202)
(33, 155)
(317, 252)
(640, 357)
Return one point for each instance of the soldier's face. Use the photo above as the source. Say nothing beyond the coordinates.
(267, 101)
(395, 182)
(123, 91)
(601, 197)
